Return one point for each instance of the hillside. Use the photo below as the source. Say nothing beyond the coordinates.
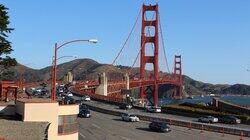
(86, 69)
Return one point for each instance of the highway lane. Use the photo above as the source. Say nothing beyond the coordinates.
(169, 116)
(108, 127)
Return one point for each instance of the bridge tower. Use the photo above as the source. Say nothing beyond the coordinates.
(153, 40)
(178, 90)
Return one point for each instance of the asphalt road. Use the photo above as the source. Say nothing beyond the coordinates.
(108, 127)
(164, 115)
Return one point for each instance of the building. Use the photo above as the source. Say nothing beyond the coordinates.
(59, 122)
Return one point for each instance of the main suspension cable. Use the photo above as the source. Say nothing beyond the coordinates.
(128, 37)
(162, 40)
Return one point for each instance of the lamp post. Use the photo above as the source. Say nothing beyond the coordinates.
(52, 69)
(54, 63)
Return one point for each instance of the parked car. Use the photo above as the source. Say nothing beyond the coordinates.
(70, 94)
(159, 126)
(68, 100)
(230, 119)
(153, 109)
(60, 90)
(208, 119)
(125, 106)
(86, 98)
(84, 113)
(130, 117)
(44, 92)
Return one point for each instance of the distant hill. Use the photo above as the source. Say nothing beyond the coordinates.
(86, 69)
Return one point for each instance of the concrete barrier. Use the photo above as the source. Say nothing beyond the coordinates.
(182, 123)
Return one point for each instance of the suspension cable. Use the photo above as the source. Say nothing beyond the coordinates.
(129, 71)
(127, 37)
(162, 40)
(143, 43)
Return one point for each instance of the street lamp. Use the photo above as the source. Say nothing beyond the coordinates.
(52, 69)
(57, 47)
(65, 56)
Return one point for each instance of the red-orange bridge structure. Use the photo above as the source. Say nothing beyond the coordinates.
(112, 89)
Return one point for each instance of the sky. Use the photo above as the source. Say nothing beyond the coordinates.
(212, 36)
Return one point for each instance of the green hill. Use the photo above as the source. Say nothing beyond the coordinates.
(88, 69)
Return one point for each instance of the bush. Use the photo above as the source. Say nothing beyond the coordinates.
(200, 111)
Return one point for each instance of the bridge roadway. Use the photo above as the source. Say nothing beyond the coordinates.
(169, 116)
(108, 127)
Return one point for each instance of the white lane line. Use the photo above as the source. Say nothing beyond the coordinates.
(96, 126)
(82, 135)
(125, 138)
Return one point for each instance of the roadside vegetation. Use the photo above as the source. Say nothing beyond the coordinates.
(200, 110)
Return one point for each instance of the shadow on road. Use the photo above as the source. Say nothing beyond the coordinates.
(116, 119)
(144, 129)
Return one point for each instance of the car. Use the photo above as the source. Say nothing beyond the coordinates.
(68, 100)
(229, 119)
(208, 119)
(159, 126)
(153, 109)
(38, 90)
(36, 93)
(60, 90)
(84, 113)
(82, 107)
(70, 94)
(86, 98)
(130, 117)
(125, 106)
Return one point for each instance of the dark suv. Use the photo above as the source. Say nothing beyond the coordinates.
(229, 119)
(159, 127)
(84, 111)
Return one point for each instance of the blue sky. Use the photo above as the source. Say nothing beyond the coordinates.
(212, 36)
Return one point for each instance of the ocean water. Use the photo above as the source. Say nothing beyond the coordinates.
(239, 100)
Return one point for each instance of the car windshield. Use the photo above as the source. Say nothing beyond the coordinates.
(132, 116)
(232, 117)
(83, 107)
(85, 111)
(163, 125)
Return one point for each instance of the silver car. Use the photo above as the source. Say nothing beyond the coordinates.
(208, 119)
(130, 117)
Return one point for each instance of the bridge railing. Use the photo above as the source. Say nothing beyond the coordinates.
(98, 97)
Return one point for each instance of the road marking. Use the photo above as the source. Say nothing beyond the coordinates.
(82, 135)
(96, 126)
(125, 138)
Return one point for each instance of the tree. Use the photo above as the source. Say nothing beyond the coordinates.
(5, 46)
